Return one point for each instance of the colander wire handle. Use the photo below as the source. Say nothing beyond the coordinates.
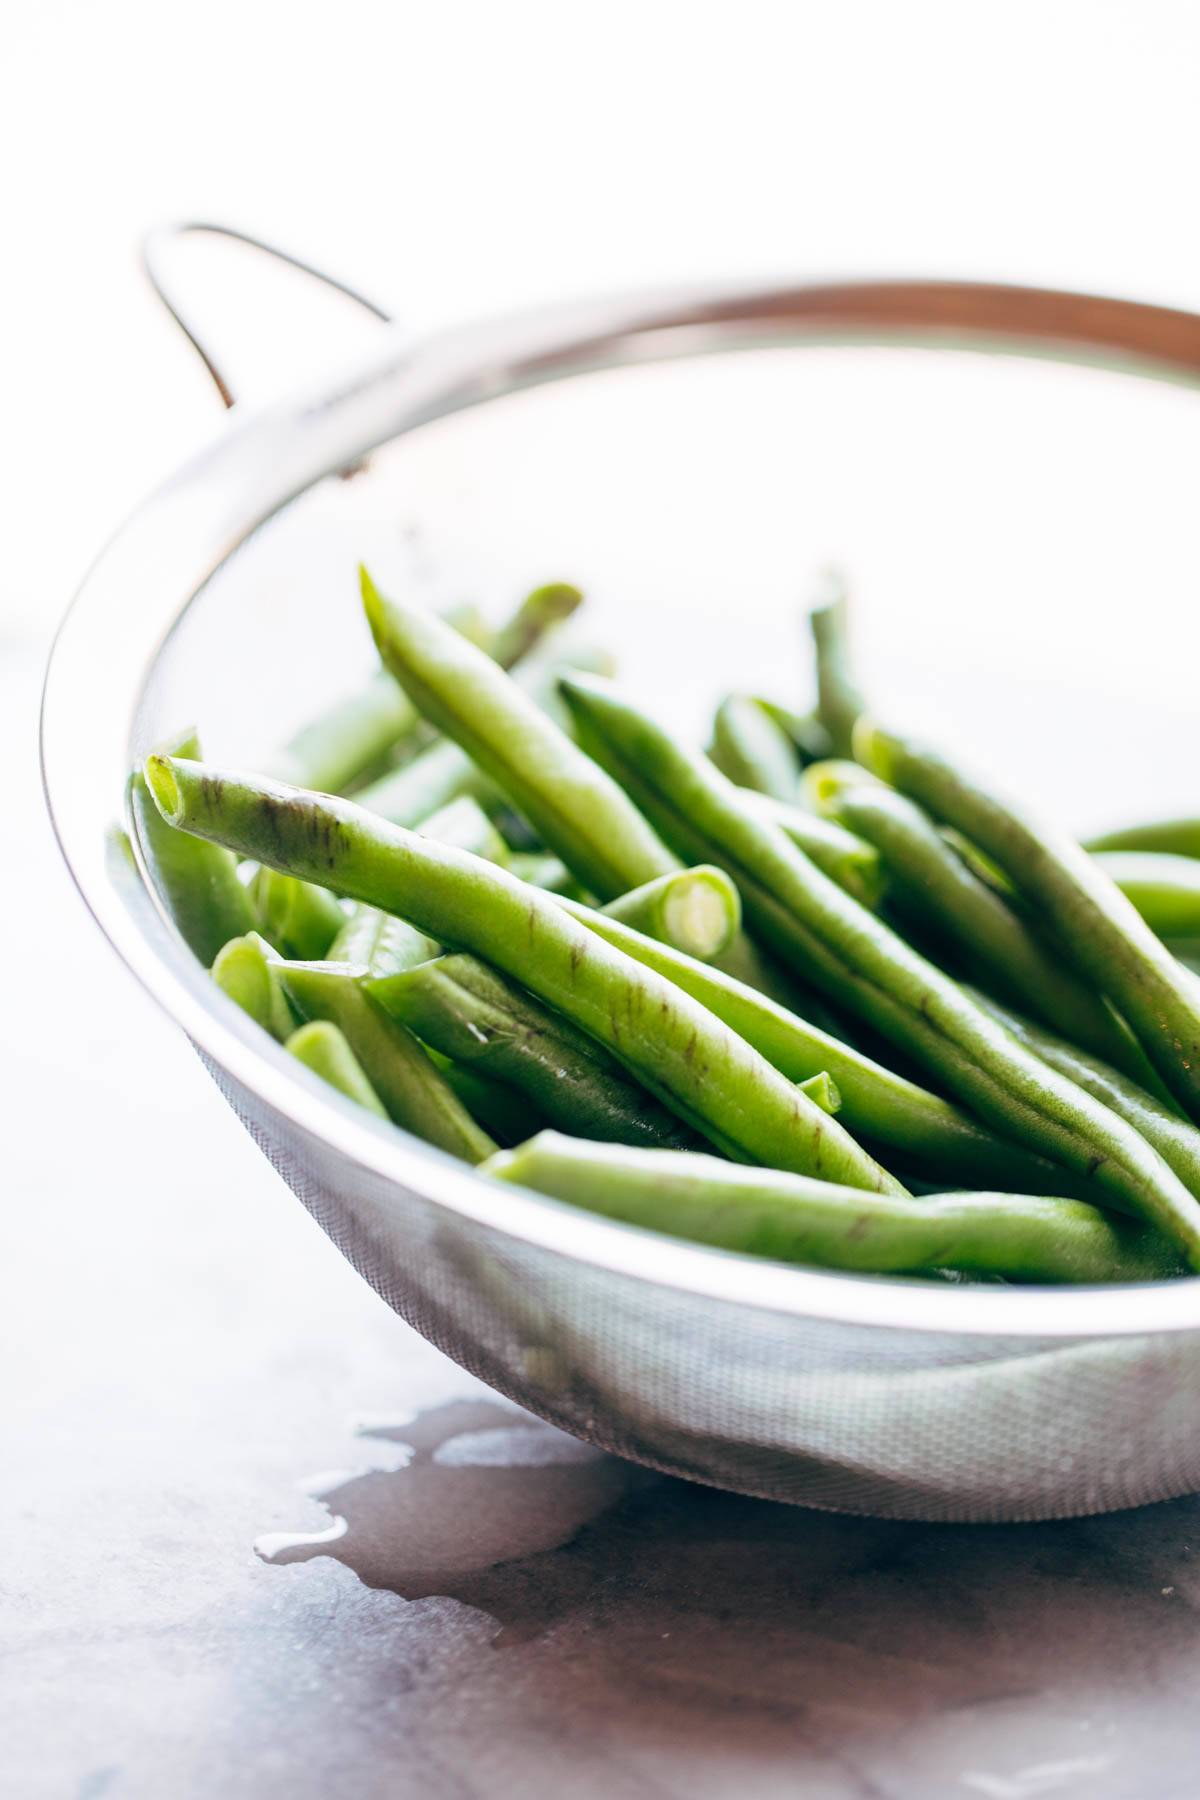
(155, 249)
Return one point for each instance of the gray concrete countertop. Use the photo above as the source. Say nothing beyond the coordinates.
(448, 1599)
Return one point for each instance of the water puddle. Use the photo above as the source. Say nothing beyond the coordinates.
(466, 1500)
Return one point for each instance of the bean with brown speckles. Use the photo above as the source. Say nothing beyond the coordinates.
(790, 1218)
(738, 1101)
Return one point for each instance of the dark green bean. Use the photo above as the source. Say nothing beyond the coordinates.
(847, 952)
(674, 1046)
(322, 1048)
(473, 1015)
(413, 1093)
(505, 1114)
(1165, 889)
(761, 1212)
(908, 1122)
(1098, 928)
(753, 750)
(1175, 837)
(197, 882)
(298, 917)
(248, 969)
(1176, 1139)
(1004, 950)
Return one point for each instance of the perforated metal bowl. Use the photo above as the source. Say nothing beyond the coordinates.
(1023, 535)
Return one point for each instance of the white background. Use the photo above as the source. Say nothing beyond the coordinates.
(171, 1315)
(455, 158)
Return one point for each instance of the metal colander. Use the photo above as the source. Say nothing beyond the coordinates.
(664, 485)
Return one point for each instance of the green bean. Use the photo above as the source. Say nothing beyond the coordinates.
(197, 882)
(537, 614)
(753, 750)
(696, 910)
(839, 699)
(413, 1093)
(809, 736)
(329, 751)
(1174, 837)
(1186, 950)
(937, 885)
(823, 1091)
(761, 1212)
(1098, 928)
(842, 855)
(322, 1048)
(851, 955)
(380, 943)
(468, 1012)
(248, 970)
(1176, 1139)
(1164, 888)
(442, 771)
(542, 870)
(356, 733)
(464, 823)
(299, 917)
(905, 1120)
(582, 814)
(433, 779)
(505, 1114)
(674, 1046)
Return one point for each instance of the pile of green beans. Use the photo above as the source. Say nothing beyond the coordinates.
(813, 995)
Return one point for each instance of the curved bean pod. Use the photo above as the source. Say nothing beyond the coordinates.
(197, 882)
(938, 885)
(674, 1046)
(412, 1091)
(1099, 929)
(474, 1016)
(906, 1121)
(1175, 1138)
(761, 1212)
(356, 734)
(579, 811)
(846, 952)
(538, 613)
